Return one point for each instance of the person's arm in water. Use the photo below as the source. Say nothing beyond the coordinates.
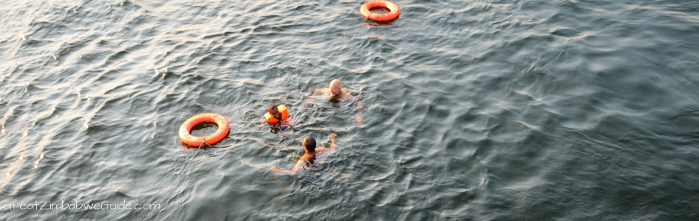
(298, 165)
(287, 122)
(322, 90)
(332, 140)
(332, 144)
(357, 115)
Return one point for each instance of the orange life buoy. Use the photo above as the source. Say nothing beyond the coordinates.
(217, 136)
(393, 8)
(282, 109)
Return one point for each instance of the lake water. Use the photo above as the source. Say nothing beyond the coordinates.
(473, 110)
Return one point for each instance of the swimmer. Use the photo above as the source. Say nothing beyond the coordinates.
(336, 95)
(276, 115)
(309, 145)
(274, 112)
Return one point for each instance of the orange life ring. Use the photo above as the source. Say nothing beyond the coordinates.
(217, 136)
(282, 109)
(393, 8)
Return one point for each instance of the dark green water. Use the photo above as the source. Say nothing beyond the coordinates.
(473, 110)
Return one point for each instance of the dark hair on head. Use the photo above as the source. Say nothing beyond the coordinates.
(309, 143)
(272, 108)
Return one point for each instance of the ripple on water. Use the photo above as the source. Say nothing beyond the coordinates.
(483, 110)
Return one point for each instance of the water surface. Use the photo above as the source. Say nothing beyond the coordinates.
(473, 110)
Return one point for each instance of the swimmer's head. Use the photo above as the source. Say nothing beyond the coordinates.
(272, 109)
(335, 87)
(309, 144)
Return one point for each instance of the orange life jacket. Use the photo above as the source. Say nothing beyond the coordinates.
(282, 109)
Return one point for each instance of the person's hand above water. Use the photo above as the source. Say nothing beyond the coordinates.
(332, 140)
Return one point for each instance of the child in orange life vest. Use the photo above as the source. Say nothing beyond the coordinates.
(277, 116)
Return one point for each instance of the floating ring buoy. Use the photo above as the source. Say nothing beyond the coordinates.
(217, 136)
(392, 14)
